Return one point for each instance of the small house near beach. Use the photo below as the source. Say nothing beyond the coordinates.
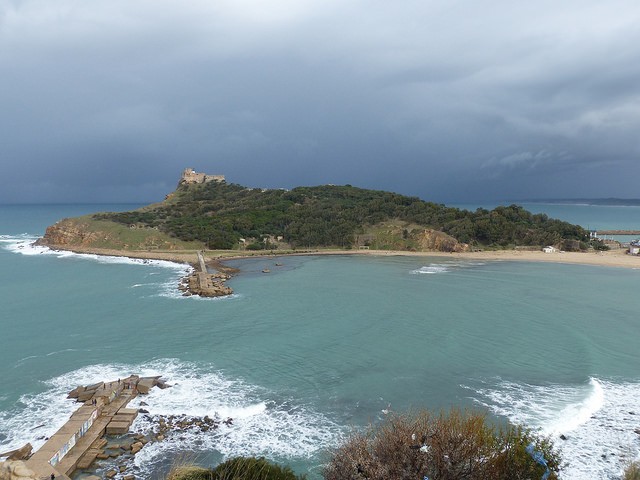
(549, 249)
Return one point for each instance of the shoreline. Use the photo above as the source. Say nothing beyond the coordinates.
(216, 258)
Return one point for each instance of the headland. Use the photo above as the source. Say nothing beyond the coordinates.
(206, 220)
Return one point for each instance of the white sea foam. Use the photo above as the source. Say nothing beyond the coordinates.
(24, 244)
(598, 420)
(435, 268)
(432, 269)
(262, 424)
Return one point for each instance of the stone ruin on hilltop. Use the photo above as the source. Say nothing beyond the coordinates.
(191, 176)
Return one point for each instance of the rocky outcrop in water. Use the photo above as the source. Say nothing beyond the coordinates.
(205, 285)
(166, 425)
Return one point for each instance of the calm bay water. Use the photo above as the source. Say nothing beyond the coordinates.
(322, 344)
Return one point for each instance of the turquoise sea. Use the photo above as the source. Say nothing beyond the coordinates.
(322, 345)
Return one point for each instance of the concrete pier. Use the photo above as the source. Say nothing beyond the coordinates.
(203, 265)
(206, 284)
(78, 443)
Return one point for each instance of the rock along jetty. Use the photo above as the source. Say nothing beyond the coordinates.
(80, 441)
(205, 284)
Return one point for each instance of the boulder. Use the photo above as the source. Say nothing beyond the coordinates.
(145, 384)
(20, 470)
(111, 473)
(128, 411)
(117, 428)
(85, 395)
(21, 453)
(136, 447)
(16, 470)
(75, 392)
(162, 384)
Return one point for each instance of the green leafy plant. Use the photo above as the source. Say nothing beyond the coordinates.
(250, 468)
(240, 468)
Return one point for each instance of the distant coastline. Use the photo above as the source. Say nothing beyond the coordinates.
(604, 202)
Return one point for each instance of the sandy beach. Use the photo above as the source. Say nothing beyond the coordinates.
(612, 258)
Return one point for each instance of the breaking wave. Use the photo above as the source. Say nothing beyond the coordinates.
(596, 421)
(436, 268)
(24, 244)
(263, 424)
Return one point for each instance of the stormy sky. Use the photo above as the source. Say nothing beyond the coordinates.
(452, 101)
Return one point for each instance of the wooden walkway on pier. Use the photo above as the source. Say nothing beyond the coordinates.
(103, 411)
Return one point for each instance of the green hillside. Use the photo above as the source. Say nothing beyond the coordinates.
(219, 215)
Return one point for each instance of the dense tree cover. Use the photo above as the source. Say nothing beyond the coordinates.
(219, 214)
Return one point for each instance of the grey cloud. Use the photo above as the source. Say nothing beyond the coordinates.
(445, 100)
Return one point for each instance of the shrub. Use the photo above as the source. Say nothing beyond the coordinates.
(240, 468)
(185, 472)
(455, 446)
(632, 472)
(251, 468)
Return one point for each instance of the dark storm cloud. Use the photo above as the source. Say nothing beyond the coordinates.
(105, 101)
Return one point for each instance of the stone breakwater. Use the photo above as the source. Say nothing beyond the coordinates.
(97, 437)
(81, 441)
(203, 283)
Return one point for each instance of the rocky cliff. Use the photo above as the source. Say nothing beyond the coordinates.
(68, 232)
(87, 232)
(433, 240)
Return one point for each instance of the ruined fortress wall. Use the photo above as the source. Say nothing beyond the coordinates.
(191, 176)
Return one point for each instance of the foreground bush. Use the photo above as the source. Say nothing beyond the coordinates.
(240, 468)
(456, 446)
(253, 469)
(632, 472)
(186, 472)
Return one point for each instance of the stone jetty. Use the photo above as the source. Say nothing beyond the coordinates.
(205, 284)
(80, 441)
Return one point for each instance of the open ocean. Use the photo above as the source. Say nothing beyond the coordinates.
(322, 345)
